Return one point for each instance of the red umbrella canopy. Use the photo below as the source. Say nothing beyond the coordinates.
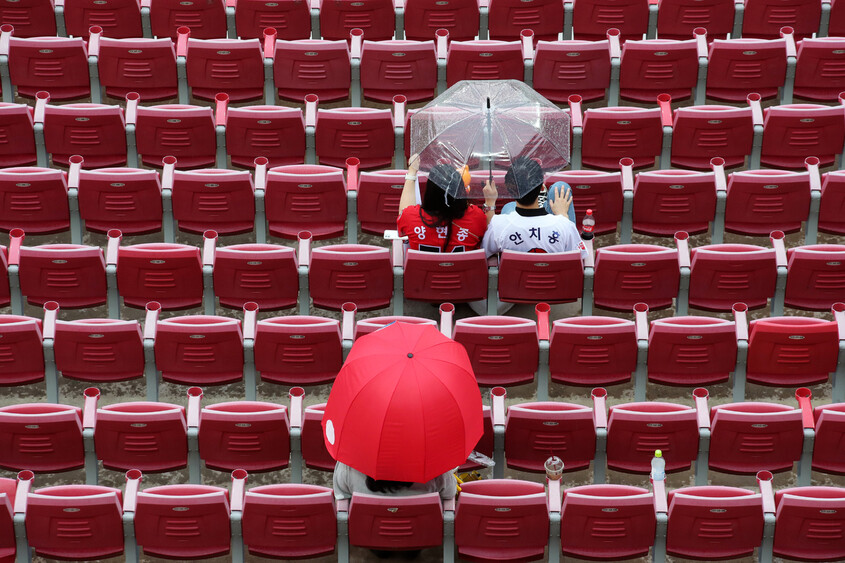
(405, 406)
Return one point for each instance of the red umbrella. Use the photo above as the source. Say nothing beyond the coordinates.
(405, 406)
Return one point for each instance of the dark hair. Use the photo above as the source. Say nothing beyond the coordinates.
(384, 486)
(524, 172)
(439, 199)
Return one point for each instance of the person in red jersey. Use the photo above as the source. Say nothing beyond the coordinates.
(443, 222)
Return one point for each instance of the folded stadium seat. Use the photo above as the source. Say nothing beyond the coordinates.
(461, 18)
(375, 519)
(635, 430)
(99, 349)
(748, 437)
(830, 431)
(232, 66)
(264, 273)
(76, 522)
(306, 197)
(738, 67)
(836, 25)
(141, 65)
(363, 133)
(170, 274)
(374, 17)
(832, 208)
(290, 18)
(762, 201)
(34, 199)
(714, 522)
(212, 198)
(307, 513)
(186, 522)
(765, 18)
(535, 431)
(794, 132)
(199, 350)
(817, 71)
(724, 274)
(587, 532)
(276, 133)
(592, 18)
(117, 18)
(484, 60)
(206, 19)
(592, 351)
(668, 201)
(507, 18)
(17, 135)
(58, 65)
(312, 66)
(389, 68)
(627, 274)
(792, 351)
(701, 133)
(378, 200)
(124, 198)
(314, 451)
(816, 276)
(355, 273)
(94, 131)
(676, 19)
(41, 437)
(150, 436)
(599, 191)
(7, 513)
(457, 277)
(31, 18)
(479, 522)
(245, 434)
(372, 324)
(564, 68)
(503, 350)
(691, 350)
(73, 275)
(613, 133)
(808, 522)
(298, 350)
(5, 293)
(183, 131)
(655, 66)
(526, 277)
(21, 350)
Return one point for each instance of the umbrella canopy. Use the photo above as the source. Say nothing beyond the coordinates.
(405, 406)
(486, 125)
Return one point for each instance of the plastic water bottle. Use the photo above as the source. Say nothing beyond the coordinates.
(658, 466)
(588, 223)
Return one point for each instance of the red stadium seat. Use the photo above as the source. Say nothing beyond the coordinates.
(32, 18)
(41, 437)
(552, 278)
(312, 66)
(503, 350)
(793, 132)
(592, 18)
(245, 435)
(832, 208)
(535, 431)
(306, 197)
(99, 349)
(234, 67)
(599, 191)
(712, 522)
(484, 60)
(206, 20)
(274, 132)
(816, 278)
(199, 350)
(213, 198)
(289, 521)
(374, 17)
(71, 274)
(118, 19)
(94, 131)
(564, 68)
(677, 19)
(356, 273)
(691, 351)
(668, 201)
(264, 273)
(808, 521)
(419, 517)
(150, 436)
(372, 324)
(701, 133)
(724, 274)
(792, 351)
(507, 18)
(34, 199)
(628, 274)
(144, 66)
(378, 200)
(314, 450)
(17, 136)
(124, 198)
(457, 277)
(290, 18)
(738, 67)
(186, 132)
(298, 350)
(364, 133)
(612, 133)
(390, 68)
(21, 353)
(830, 431)
(424, 17)
(628, 533)
(655, 66)
(817, 71)
(58, 65)
(765, 18)
(592, 351)
(761, 201)
(483, 533)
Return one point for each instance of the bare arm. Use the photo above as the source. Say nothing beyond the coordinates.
(491, 194)
(409, 196)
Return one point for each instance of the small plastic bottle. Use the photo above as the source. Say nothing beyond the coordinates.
(658, 466)
(588, 223)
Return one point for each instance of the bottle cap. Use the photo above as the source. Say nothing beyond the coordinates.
(658, 453)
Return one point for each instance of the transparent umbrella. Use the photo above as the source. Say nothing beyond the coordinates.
(486, 124)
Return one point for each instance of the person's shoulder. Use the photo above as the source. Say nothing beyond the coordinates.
(474, 212)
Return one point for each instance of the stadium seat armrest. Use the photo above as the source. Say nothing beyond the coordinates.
(296, 395)
(352, 165)
(702, 409)
(599, 395)
(838, 310)
(575, 111)
(449, 504)
(498, 394)
(304, 251)
(527, 37)
(614, 45)
(51, 310)
(261, 175)
(442, 44)
(780, 249)
(764, 481)
(399, 102)
(542, 310)
(721, 180)
(553, 494)
(447, 313)
(804, 397)
(194, 406)
(641, 321)
(311, 102)
(398, 252)
(342, 505)
(221, 109)
(130, 492)
(15, 242)
(356, 39)
(250, 320)
(182, 36)
(665, 104)
(659, 489)
(5, 41)
(788, 34)
(590, 260)
(812, 165)
(42, 98)
(231, 3)
(756, 109)
(626, 166)
(151, 320)
(347, 321)
(94, 41)
(701, 43)
(89, 408)
(73, 172)
(132, 108)
(22, 491)
(682, 242)
(741, 320)
(270, 37)
(113, 248)
(209, 247)
(146, 3)
(167, 170)
(238, 490)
